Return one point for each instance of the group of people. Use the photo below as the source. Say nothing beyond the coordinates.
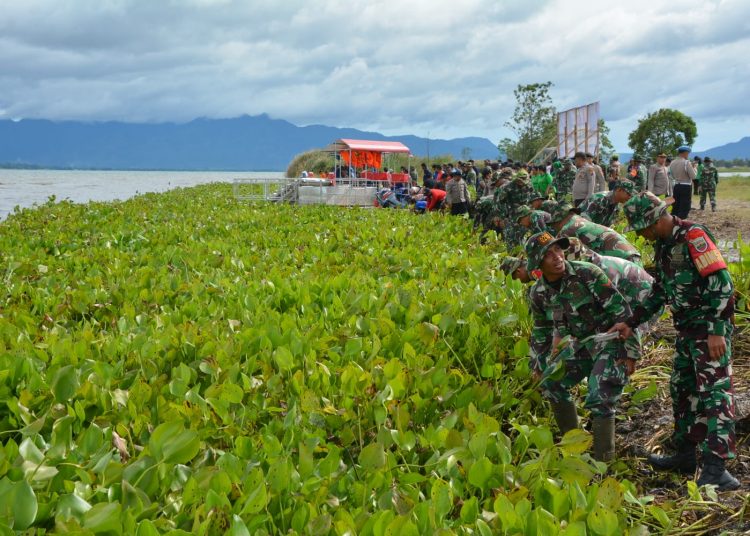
(590, 297)
(592, 301)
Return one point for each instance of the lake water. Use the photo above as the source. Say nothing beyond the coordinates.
(25, 187)
(738, 173)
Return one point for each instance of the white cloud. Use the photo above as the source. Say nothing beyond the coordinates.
(411, 66)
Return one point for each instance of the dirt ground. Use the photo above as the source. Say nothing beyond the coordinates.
(647, 428)
(731, 217)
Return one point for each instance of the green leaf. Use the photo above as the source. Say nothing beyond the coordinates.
(610, 494)
(644, 395)
(18, 503)
(372, 456)
(238, 527)
(71, 506)
(541, 436)
(146, 528)
(284, 359)
(575, 441)
(171, 443)
(470, 510)
(65, 383)
(255, 492)
(279, 475)
(603, 521)
(480, 472)
(104, 518)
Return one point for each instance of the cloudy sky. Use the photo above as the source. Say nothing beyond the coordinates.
(446, 68)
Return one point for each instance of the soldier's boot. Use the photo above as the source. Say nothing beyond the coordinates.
(713, 208)
(715, 473)
(566, 415)
(603, 429)
(683, 461)
(703, 207)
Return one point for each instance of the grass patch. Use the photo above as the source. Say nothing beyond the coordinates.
(737, 188)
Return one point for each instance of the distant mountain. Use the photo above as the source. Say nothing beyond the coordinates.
(244, 143)
(729, 151)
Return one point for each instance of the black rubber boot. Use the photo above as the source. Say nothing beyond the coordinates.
(566, 415)
(683, 461)
(603, 430)
(716, 474)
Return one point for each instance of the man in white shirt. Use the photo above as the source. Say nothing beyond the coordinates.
(684, 175)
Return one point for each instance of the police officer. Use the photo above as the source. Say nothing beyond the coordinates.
(693, 278)
(582, 300)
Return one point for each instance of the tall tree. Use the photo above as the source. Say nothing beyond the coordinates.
(663, 131)
(606, 149)
(534, 122)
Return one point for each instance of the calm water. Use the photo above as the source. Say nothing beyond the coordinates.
(27, 187)
(730, 173)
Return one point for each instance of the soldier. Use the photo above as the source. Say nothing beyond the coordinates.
(532, 220)
(582, 300)
(709, 181)
(693, 278)
(585, 180)
(508, 200)
(637, 172)
(516, 268)
(601, 207)
(563, 181)
(605, 241)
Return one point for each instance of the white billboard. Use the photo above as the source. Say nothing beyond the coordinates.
(578, 130)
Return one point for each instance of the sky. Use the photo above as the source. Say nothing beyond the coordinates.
(437, 68)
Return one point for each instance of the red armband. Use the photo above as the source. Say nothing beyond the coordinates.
(706, 256)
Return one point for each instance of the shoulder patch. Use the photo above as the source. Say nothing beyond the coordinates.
(704, 253)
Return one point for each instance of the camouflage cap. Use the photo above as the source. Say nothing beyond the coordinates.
(627, 185)
(560, 211)
(537, 246)
(510, 264)
(643, 210)
(506, 172)
(522, 175)
(549, 205)
(523, 211)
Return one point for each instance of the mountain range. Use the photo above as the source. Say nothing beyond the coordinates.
(247, 143)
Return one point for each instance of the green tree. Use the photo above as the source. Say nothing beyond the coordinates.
(606, 149)
(534, 122)
(663, 131)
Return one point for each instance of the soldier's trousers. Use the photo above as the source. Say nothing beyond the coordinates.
(606, 378)
(513, 234)
(703, 397)
(711, 194)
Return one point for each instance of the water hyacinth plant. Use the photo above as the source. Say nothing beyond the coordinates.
(180, 363)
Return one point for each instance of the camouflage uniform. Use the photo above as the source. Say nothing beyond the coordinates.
(692, 277)
(639, 175)
(563, 182)
(601, 239)
(508, 200)
(709, 180)
(539, 219)
(585, 303)
(600, 208)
